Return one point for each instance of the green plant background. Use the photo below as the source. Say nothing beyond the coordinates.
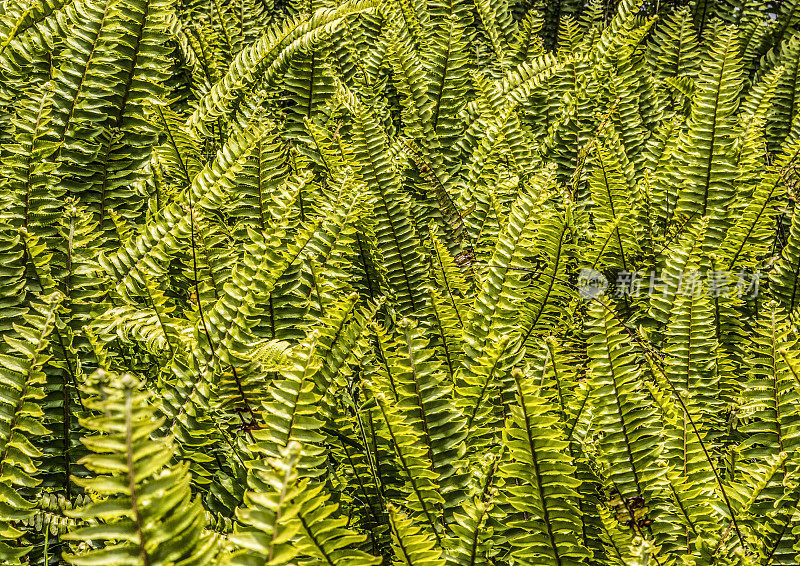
(295, 282)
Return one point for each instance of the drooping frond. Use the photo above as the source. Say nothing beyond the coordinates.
(623, 412)
(148, 515)
(265, 58)
(539, 465)
(707, 164)
(21, 378)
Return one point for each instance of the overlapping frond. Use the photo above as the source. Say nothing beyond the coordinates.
(428, 283)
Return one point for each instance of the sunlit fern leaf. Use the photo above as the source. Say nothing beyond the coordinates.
(327, 538)
(12, 280)
(707, 161)
(750, 237)
(209, 263)
(692, 367)
(368, 45)
(30, 204)
(497, 24)
(145, 253)
(334, 153)
(471, 531)
(769, 396)
(623, 20)
(501, 280)
(267, 56)
(330, 253)
(73, 270)
(697, 522)
(639, 107)
(418, 381)
(261, 181)
(622, 411)
(49, 522)
(756, 106)
(747, 492)
(680, 88)
(224, 329)
(450, 281)
(550, 293)
(528, 41)
(272, 355)
(337, 346)
(79, 275)
(784, 281)
(79, 75)
(675, 51)
(289, 411)
(446, 66)
(485, 392)
(444, 324)
(769, 409)
(570, 124)
(480, 171)
(180, 153)
(152, 326)
(787, 16)
(60, 445)
(21, 417)
(777, 538)
(144, 514)
(269, 518)
(421, 492)
(553, 369)
(413, 545)
(494, 108)
(408, 73)
(395, 233)
(30, 199)
(537, 483)
(691, 349)
(309, 84)
(26, 26)
(227, 340)
(554, 16)
(226, 21)
(680, 264)
(359, 486)
(784, 113)
(192, 50)
(369, 275)
(103, 156)
(617, 542)
(435, 177)
(185, 403)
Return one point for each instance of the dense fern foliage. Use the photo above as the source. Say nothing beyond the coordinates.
(411, 282)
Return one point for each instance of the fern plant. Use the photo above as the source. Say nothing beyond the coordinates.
(350, 282)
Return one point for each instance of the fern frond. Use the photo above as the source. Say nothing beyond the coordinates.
(546, 489)
(396, 235)
(630, 430)
(265, 58)
(146, 514)
(707, 162)
(784, 281)
(21, 421)
(424, 399)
